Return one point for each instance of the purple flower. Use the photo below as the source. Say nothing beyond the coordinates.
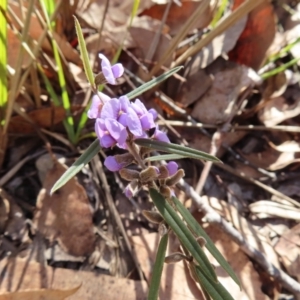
(96, 105)
(110, 72)
(112, 165)
(110, 132)
(172, 167)
(160, 135)
(146, 117)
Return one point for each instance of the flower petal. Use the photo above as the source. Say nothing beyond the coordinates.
(117, 70)
(134, 123)
(161, 136)
(172, 167)
(111, 109)
(116, 130)
(147, 121)
(95, 108)
(108, 74)
(111, 164)
(153, 112)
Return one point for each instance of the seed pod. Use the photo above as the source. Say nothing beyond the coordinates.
(144, 151)
(175, 257)
(153, 216)
(201, 240)
(149, 174)
(164, 173)
(175, 178)
(124, 159)
(165, 191)
(129, 175)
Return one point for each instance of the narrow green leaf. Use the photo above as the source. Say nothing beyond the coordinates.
(175, 149)
(164, 157)
(85, 158)
(152, 83)
(215, 289)
(157, 269)
(84, 54)
(183, 233)
(199, 231)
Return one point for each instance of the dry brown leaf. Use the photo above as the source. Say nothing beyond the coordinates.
(66, 215)
(194, 87)
(178, 15)
(275, 86)
(271, 159)
(219, 102)
(35, 31)
(288, 146)
(43, 294)
(242, 266)
(23, 275)
(278, 110)
(42, 118)
(288, 248)
(145, 247)
(257, 36)
(220, 44)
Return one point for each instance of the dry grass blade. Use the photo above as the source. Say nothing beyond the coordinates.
(181, 34)
(240, 12)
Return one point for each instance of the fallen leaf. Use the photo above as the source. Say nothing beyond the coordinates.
(65, 216)
(43, 294)
(178, 15)
(278, 110)
(23, 275)
(288, 247)
(145, 247)
(258, 35)
(219, 102)
(42, 118)
(242, 266)
(275, 86)
(271, 159)
(35, 31)
(287, 146)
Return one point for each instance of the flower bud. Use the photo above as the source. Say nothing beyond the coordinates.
(164, 173)
(149, 174)
(162, 229)
(153, 216)
(131, 189)
(129, 175)
(175, 178)
(175, 257)
(165, 191)
(124, 159)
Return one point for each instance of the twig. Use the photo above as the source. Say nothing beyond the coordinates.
(214, 218)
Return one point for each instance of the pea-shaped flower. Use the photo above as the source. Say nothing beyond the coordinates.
(110, 73)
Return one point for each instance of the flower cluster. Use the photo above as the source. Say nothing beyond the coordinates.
(117, 123)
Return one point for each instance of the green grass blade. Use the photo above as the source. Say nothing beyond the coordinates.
(164, 157)
(84, 54)
(3, 63)
(183, 233)
(157, 269)
(152, 83)
(215, 289)
(69, 124)
(176, 149)
(85, 158)
(199, 231)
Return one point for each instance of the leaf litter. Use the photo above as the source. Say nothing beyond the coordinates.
(223, 86)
